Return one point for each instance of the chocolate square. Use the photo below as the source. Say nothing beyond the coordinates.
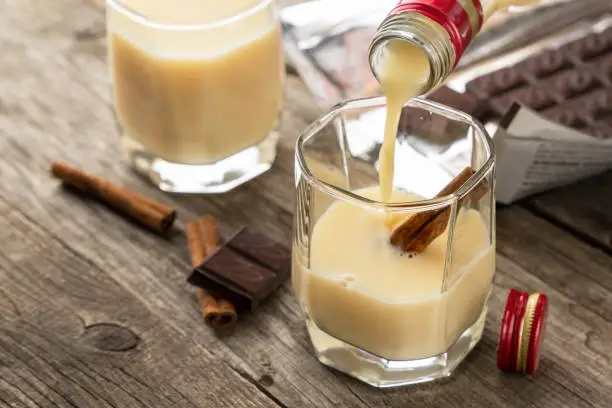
(599, 103)
(546, 63)
(602, 67)
(569, 84)
(246, 270)
(271, 254)
(593, 45)
(566, 116)
(462, 101)
(534, 98)
(585, 105)
(495, 83)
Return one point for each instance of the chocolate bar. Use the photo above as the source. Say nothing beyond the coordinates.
(246, 270)
(464, 102)
(546, 63)
(534, 98)
(571, 85)
(496, 83)
(566, 117)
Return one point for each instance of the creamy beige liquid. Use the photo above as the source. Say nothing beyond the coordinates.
(196, 96)
(362, 290)
(404, 72)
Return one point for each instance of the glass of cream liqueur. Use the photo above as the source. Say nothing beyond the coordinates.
(197, 89)
(394, 311)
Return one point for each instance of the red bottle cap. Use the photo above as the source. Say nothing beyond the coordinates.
(507, 329)
(522, 332)
(461, 19)
(537, 334)
(516, 330)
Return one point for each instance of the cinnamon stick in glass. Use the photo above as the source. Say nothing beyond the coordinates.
(148, 212)
(203, 239)
(416, 233)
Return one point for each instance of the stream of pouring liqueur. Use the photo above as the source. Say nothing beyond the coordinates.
(404, 72)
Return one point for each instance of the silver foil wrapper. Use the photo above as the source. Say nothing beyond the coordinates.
(326, 41)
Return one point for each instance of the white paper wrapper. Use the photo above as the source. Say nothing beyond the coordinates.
(534, 155)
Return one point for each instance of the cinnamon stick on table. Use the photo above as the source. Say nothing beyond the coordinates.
(416, 233)
(202, 239)
(148, 212)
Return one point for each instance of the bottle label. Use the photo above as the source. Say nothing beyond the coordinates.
(461, 19)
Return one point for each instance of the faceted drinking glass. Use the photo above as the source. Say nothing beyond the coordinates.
(387, 317)
(197, 89)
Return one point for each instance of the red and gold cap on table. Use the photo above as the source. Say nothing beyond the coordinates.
(462, 19)
(522, 332)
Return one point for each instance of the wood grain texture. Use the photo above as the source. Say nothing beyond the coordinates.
(75, 336)
(95, 311)
(583, 208)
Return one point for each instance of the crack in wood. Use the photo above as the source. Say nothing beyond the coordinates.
(257, 385)
(25, 396)
(11, 302)
(144, 385)
(350, 389)
(89, 368)
(25, 380)
(33, 371)
(179, 392)
(52, 388)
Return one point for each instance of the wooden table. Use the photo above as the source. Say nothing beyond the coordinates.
(95, 312)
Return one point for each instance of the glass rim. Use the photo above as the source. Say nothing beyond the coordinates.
(147, 22)
(425, 204)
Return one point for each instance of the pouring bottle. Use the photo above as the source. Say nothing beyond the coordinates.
(442, 29)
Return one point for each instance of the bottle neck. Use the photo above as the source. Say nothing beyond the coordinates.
(424, 34)
(441, 28)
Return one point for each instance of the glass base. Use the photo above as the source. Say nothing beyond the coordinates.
(383, 373)
(218, 177)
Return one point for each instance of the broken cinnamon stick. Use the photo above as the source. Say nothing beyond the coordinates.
(148, 212)
(203, 239)
(416, 233)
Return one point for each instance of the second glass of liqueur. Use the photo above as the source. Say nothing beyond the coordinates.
(198, 89)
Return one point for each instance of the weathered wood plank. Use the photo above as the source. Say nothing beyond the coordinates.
(74, 337)
(583, 208)
(578, 270)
